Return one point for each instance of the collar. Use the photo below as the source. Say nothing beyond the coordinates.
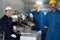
(55, 11)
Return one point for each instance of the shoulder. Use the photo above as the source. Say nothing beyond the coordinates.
(58, 12)
(41, 12)
(2, 19)
(48, 12)
(33, 11)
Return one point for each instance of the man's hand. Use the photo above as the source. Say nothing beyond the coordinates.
(39, 32)
(13, 35)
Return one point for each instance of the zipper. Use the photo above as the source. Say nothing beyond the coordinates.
(53, 23)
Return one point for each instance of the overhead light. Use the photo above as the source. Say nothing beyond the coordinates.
(40, 2)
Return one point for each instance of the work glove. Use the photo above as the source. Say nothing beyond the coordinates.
(13, 35)
(31, 15)
(39, 32)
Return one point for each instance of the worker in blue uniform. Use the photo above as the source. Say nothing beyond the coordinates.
(53, 21)
(39, 19)
(6, 25)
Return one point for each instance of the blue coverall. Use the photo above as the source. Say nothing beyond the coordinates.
(39, 20)
(53, 21)
(7, 27)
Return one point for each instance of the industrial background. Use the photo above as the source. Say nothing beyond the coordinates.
(20, 7)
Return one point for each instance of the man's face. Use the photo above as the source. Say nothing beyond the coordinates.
(53, 6)
(37, 8)
(8, 12)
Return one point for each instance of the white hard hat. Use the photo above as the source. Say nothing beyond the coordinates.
(8, 8)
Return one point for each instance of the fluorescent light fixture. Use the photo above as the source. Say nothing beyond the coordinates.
(40, 2)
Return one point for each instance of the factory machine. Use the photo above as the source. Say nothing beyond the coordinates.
(23, 24)
(22, 21)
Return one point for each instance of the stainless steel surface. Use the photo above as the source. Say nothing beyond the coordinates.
(33, 35)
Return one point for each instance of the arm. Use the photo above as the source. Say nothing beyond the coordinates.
(42, 21)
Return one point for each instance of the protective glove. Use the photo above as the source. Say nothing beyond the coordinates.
(39, 32)
(31, 15)
(13, 35)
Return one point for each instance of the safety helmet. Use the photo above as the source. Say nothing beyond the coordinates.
(8, 8)
(36, 5)
(52, 2)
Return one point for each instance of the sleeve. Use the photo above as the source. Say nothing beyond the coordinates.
(46, 19)
(4, 27)
(42, 21)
